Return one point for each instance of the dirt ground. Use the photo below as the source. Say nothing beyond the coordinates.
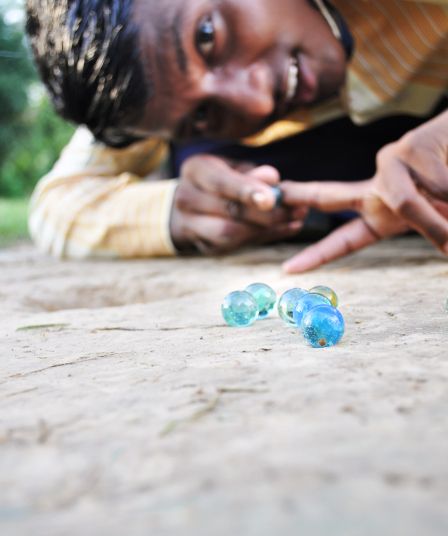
(128, 408)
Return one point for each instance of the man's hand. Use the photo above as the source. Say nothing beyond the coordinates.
(218, 208)
(409, 191)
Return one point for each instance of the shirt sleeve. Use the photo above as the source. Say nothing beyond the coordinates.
(101, 202)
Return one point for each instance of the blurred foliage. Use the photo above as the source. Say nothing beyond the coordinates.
(34, 151)
(31, 135)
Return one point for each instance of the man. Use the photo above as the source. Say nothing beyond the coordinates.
(281, 79)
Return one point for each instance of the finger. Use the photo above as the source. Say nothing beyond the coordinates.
(428, 221)
(425, 152)
(241, 166)
(441, 207)
(300, 212)
(277, 234)
(401, 195)
(191, 199)
(432, 175)
(268, 174)
(213, 235)
(280, 232)
(347, 239)
(268, 219)
(213, 175)
(325, 196)
(219, 233)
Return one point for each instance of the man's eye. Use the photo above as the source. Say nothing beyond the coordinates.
(205, 37)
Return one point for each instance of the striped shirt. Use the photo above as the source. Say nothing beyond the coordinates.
(105, 202)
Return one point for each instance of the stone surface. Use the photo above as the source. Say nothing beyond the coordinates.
(134, 410)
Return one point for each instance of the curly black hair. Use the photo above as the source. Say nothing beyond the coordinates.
(88, 56)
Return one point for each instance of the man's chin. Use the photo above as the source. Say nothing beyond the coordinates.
(326, 96)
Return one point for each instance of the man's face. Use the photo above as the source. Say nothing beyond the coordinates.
(228, 68)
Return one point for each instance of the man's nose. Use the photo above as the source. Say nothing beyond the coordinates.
(249, 90)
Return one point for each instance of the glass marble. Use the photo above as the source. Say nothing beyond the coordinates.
(306, 303)
(265, 297)
(323, 326)
(239, 309)
(288, 302)
(278, 194)
(328, 293)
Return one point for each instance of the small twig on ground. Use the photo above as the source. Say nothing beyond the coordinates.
(42, 326)
(241, 390)
(196, 416)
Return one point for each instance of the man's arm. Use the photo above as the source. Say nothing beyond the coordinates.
(94, 202)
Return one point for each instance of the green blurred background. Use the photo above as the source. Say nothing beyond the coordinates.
(31, 135)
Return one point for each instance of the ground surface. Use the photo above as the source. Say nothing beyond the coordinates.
(137, 412)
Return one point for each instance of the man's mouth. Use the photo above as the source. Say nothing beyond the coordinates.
(292, 80)
(301, 82)
(297, 86)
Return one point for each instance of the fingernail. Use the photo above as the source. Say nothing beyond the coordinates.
(261, 199)
(286, 266)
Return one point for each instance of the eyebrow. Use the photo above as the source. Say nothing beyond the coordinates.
(181, 57)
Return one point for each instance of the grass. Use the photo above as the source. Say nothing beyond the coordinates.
(13, 220)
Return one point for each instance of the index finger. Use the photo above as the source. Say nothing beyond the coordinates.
(324, 196)
(349, 238)
(215, 176)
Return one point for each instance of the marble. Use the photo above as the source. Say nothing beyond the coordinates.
(288, 302)
(323, 326)
(306, 303)
(327, 292)
(239, 309)
(265, 297)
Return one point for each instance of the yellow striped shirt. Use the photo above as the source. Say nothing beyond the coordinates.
(98, 201)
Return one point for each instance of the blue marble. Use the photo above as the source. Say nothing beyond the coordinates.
(306, 303)
(288, 302)
(239, 309)
(278, 194)
(328, 293)
(265, 297)
(323, 326)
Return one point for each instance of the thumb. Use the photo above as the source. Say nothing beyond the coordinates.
(268, 174)
(271, 177)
